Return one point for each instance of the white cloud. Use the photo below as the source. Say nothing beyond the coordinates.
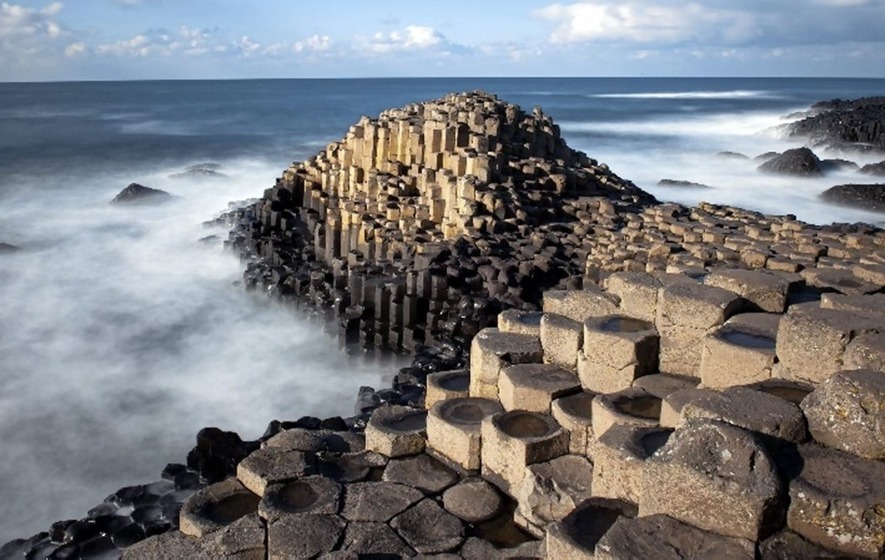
(413, 37)
(28, 36)
(646, 23)
(187, 42)
(75, 49)
(315, 43)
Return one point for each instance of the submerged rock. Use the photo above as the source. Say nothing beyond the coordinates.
(682, 184)
(874, 169)
(799, 161)
(6, 248)
(139, 194)
(866, 197)
(207, 170)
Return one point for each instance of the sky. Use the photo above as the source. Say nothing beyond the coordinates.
(208, 39)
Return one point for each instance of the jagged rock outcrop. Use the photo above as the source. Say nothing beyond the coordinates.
(136, 194)
(857, 124)
(799, 161)
(866, 197)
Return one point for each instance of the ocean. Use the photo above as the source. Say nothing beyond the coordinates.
(122, 334)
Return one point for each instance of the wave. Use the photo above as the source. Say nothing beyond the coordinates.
(733, 94)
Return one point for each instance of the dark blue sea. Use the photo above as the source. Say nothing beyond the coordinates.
(121, 335)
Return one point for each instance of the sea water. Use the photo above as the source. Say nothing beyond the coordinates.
(122, 334)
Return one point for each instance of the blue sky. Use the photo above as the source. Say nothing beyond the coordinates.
(152, 39)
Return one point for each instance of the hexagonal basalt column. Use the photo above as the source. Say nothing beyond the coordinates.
(580, 305)
(534, 386)
(576, 536)
(513, 440)
(764, 289)
(740, 352)
(311, 494)
(270, 465)
(638, 292)
(519, 321)
(551, 490)
(444, 385)
(685, 314)
(561, 340)
(216, 507)
(616, 351)
(619, 457)
(575, 414)
(836, 501)
(454, 430)
(632, 406)
(396, 431)
(492, 350)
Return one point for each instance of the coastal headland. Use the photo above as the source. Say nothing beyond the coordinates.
(596, 374)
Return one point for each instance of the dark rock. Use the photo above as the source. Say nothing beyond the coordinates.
(829, 165)
(874, 169)
(682, 184)
(6, 248)
(303, 535)
(799, 161)
(766, 157)
(373, 540)
(128, 535)
(377, 501)
(429, 529)
(200, 171)
(422, 472)
(866, 197)
(139, 194)
(857, 124)
(732, 155)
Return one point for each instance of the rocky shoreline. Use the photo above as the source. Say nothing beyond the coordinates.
(577, 348)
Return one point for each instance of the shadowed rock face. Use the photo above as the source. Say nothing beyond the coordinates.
(867, 197)
(139, 194)
(857, 124)
(800, 162)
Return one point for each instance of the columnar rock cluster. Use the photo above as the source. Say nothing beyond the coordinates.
(726, 417)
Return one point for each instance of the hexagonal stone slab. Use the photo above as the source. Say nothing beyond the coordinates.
(303, 535)
(270, 465)
(242, 539)
(216, 507)
(377, 501)
(429, 529)
(575, 537)
(694, 478)
(396, 431)
(551, 490)
(366, 538)
(491, 350)
(665, 538)
(311, 494)
(787, 545)
(847, 412)
(422, 472)
(473, 500)
(534, 386)
(619, 458)
(836, 501)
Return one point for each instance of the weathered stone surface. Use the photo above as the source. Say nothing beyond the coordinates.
(847, 412)
(638, 293)
(811, 341)
(632, 406)
(798, 161)
(513, 440)
(314, 441)
(673, 403)
(580, 305)
(716, 477)
(865, 196)
(551, 490)
(350, 467)
(241, 540)
(473, 500)
(740, 352)
(866, 351)
(311, 494)
(303, 535)
(561, 340)
(534, 386)
(454, 430)
(422, 472)
(665, 538)
(396, 431)
(868, 303)
(270, 465)
(363, 539)
(446, 385)
(619, 458)
(576, 536)
(787, 545)
(662, 384)
(791, 391)
(377, 501)
(492, 350)
(520, 322)
(480, 549)
(617, 350)
(766, 290)
(216, 507)
(836, 501)
(752, 410)
(574, 413)
(838, 279)
(685, 314)
(429, 529)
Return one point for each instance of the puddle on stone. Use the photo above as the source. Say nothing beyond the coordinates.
(231, 508)
(297, 496)
(524, 425)
(625, 324)
(642, 407)
(455, 382)
(750, 340)
(413, 422)
(653, 441)
(792, 393)
(530, 318)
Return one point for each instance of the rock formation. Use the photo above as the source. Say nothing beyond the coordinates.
(864, 196)
(857, 124)
(139, 194)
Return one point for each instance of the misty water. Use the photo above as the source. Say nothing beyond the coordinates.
(122, 334)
